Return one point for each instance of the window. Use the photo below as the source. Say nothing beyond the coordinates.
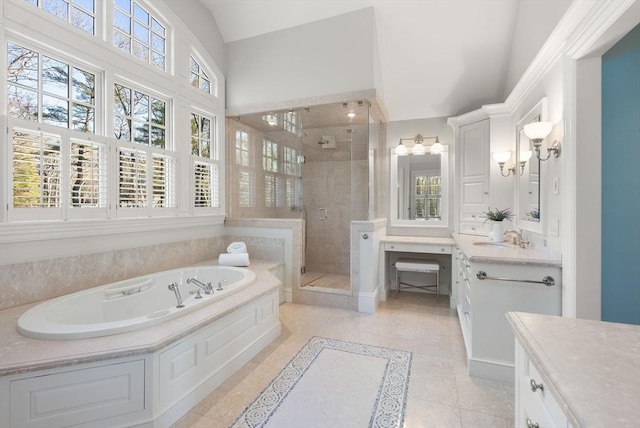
(427, 196)
(291, 122)
(138, 32)
(269, 156)
(79, 13)
(272, 191)
(247, 186)
(290, 161)
(199, 78)
(62, 160)
(138, 117)
(242, 148)
(88, 177)
(36, 170)
(204, 150)
(147, 169)
(47, 90)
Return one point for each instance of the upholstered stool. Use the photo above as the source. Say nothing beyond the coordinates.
(422, 266)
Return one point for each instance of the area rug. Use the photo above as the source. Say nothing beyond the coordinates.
(331, 383)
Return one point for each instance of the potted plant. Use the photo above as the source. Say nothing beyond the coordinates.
(497, 217)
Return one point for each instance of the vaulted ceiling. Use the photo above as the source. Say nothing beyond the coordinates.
(456, 54)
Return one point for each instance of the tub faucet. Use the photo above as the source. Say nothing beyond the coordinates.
(174, 287)
(518, 238)
(208, 289)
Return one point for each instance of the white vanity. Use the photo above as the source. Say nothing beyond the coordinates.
(575, 373)
(491, 280)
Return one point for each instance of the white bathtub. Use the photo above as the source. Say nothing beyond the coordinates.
(128, 305)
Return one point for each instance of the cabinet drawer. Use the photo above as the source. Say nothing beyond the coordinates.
(417, 248)
(472, 216)
(543, 394)
(473, 228)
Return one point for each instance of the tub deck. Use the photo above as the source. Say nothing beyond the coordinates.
(19, 354)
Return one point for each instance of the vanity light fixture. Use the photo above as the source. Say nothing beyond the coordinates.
(418, 146)
(502, 158)
(537, 132)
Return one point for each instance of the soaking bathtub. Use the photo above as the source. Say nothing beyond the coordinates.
(130, 304)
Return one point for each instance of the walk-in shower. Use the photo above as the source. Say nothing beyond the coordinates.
(309, 163)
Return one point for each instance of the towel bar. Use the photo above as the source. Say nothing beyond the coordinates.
(547, 280)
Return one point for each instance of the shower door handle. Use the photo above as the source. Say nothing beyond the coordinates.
(323, 214)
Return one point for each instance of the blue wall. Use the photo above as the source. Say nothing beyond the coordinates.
(621, 180)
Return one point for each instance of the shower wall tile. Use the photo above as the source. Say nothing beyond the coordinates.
(29, 282)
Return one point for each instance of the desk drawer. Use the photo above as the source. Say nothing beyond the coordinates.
(417, 248)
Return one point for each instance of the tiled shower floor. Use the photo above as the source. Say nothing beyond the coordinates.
(332, 281)
(441, 393)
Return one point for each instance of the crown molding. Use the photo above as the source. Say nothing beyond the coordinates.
(575, 35)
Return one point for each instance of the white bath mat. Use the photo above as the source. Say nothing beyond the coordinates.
(331, 383)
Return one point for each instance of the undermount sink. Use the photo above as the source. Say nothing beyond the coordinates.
(494, 244)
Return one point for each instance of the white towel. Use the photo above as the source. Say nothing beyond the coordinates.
(235, 259)
(237, 247)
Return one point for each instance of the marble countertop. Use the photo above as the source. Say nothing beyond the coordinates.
(20, 354)
(591, 367)
(425, 240)
(514, 255)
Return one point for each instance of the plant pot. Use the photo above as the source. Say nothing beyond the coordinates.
(497, 234)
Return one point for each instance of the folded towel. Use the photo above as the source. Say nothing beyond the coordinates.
(237, 247)
(235, 259)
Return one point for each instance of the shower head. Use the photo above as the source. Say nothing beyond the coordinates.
(323, 141)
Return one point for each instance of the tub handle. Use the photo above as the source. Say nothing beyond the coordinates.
(222, 281)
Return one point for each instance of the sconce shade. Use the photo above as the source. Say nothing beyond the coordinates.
(525, 155)
(501, 157)
(436, 147)
(401, 150)
(538, 130)
(418, 149)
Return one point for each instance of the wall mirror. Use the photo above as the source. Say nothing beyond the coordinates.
(419, 189)
(529, 213)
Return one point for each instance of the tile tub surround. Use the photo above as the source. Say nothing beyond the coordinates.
(28, 282)
(441, 393)
(522, 256)
(592, 368)
(19, 354)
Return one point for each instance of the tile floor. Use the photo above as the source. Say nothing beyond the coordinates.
(441, 393)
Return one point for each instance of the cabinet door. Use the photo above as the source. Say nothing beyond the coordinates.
(474, 170)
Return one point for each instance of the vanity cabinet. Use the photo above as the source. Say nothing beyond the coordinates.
(473, 140)
(535, 404)
(483, 304)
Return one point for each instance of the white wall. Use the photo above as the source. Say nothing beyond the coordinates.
(202, 24)
(534, 22)
(332, 56)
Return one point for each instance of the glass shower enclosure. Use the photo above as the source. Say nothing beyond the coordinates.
(310, 163)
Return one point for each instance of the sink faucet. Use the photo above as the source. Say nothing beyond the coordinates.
(518, 238)
(208, 289)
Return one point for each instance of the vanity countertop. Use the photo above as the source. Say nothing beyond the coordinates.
(591, 367)
(512, 255)
(21, 354)
(423, 240)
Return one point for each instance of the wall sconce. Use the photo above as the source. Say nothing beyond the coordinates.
(418, 146)
(538, 131)
(502, 158)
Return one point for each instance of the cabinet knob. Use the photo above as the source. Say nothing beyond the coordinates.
(531, 424)
(535, 386)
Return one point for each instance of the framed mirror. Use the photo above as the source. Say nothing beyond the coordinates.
(419, 189)
(529, 213)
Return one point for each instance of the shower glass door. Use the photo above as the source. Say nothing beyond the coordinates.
(334, 187)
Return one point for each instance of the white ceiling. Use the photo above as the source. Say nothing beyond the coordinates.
(437, 57)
